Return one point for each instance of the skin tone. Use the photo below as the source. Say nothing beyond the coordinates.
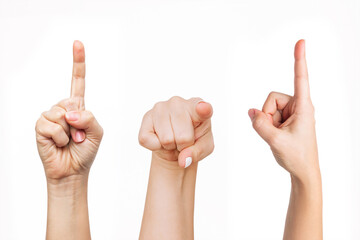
(287, 124)
(178, 132)
(68, 138)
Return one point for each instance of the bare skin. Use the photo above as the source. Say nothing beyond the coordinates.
(68, 138)
(174, 131)
(287, 124)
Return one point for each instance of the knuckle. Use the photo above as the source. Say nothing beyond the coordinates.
(43, 114)
(146, 115)
(62, 102)
(58, 113)
(175, 99)
(99, 132)
(308, 107)
(208, 150)
(194, 99)
(142, 138)
(167, 140)
(158, 105)
(89, 116)
(185, 139)
(40, 123)
(63, 142)
(37, 125)
(258, 123)
(57, 129)
(73, 103)
(272, 94)
(312, 108)
(198, 154)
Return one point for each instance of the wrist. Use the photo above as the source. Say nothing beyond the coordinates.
(74, 185)
(68, 216)
(169, 200)
(309, 180)
(171, 165)
(307, 172)
(172, 174)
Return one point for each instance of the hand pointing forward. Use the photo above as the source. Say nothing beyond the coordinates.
(68, 136)
(178, 130)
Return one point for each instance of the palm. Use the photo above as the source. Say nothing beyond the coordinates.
(69, 160)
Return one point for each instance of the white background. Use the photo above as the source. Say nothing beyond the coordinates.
(232, 54)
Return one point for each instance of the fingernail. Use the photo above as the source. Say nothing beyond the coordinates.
(201, 101)
(80, 136)
(73, 116)
(188, 161)
(251, 113)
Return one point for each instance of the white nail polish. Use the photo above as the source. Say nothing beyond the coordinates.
(188, 161)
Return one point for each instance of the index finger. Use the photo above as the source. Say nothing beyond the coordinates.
(301, 81)
(199, 110)
(78, 74)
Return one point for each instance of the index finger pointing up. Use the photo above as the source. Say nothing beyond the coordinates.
(78, 74)
(301, 74)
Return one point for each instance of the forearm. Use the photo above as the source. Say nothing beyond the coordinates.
(169, 207)
(304, 217)
(67, 209)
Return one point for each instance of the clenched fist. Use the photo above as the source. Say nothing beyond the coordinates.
(178, 130)
(68, 136)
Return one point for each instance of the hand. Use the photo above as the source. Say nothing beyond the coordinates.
(68, 136)
(178, 130)
(175, 130)
(287, 123)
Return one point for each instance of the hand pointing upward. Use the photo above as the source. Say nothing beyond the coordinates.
(67, 135)
(287, 123)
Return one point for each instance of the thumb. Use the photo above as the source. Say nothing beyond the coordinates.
(203, 147)
(84, 121)
(262, 123)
